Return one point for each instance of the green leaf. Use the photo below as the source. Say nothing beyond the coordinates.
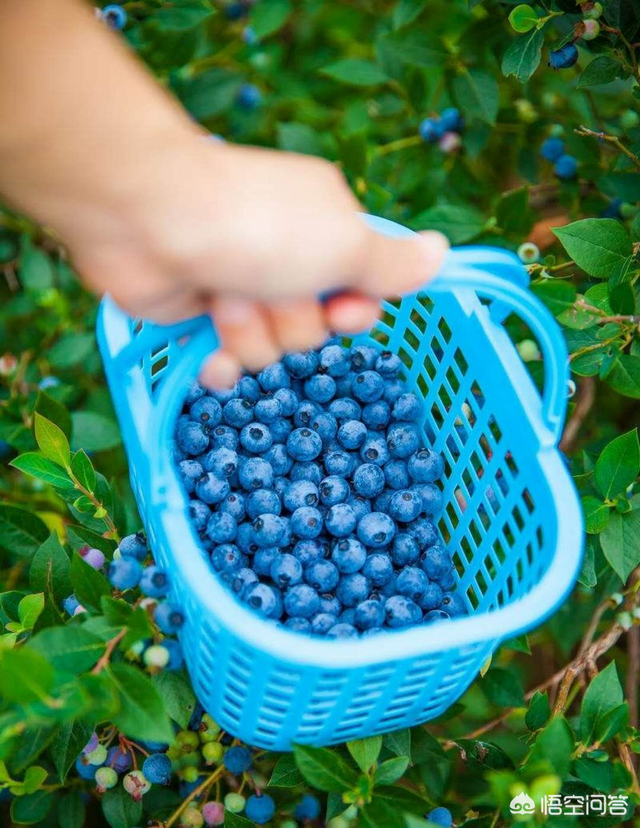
(618, 465)
(237, 821)
(268, 18)
(120, 809)
(29, 609)
(142, 714)
(36, 271)
(554, 747)
(390, 771)
(69, 740)
(31, 809)
(603, 694)
(72, 350)
(476, 93)
(523, 18)
(324, 769)
(415, 47)
(600, 70)
(625, 376)
(355, 72)
(33, 778)
(620, 542)
(83, 470)
(52, 441)
(94, 432)
(71, 810)
(55, 412)
(558, 296)
(210, 93)
(502, 688)
(295, 137)
(177, 695)
(522, 58)
(612, 722)
(458, 222)
(181, 17)
(88, 584)
(25, 676)
(38, 466)
(406, 11)
(79, 536)
(596, 514)
(596, 245)
(365, 751)
(69, 649)
(399, 742)
(513, 213)
(285, 773)
(539, 711)
(21, 532)
(49, 571)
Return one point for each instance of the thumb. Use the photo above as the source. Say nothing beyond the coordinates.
(388, 266)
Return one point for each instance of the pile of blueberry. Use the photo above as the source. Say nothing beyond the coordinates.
(312, 493)
(444, 130)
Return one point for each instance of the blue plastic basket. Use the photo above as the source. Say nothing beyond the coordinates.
(511, 519)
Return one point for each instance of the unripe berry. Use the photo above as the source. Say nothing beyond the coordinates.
(188, 740)
(106, 778)
(136, 784)
(527, 113)
(628, 210)
(213, 813)
(571, 388)
(589, 29)
(234, 802)
(191, 818)
(528, 350)
(450, 142)
(156, 657)
(98, 756)
(212, 752)
(92, 744)
(94, 557)
(190, 774)
(592, 11)
(210, 725)
(528, 253)
(79, 610)
(629, 119)
(8, 365)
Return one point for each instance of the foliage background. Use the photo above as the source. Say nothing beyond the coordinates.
(557, 710)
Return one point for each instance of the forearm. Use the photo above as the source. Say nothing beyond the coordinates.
(80, 119)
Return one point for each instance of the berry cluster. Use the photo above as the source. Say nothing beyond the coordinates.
(564, 165)
(586, 29)
(444, 130)
(313, 494)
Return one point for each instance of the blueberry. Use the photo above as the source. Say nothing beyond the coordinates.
(192, 438)
(280, 485)
(168, 618)
(118, 759)
(70, 604)
(425, 466)
(322, 575)
(334, 360)
(306, 522)
(267, 410)
(347, 616)
(352, 589)
(301, 600)
(566, 167)
(448, 580)
(564, 57)
(431, 497)
(273, 377)
(435, 615)
(304, 444)
(249, 96)
(223, 395)
(94, 557)
(308, 551)
(369, 613)
(114, 16)
(238, 413)
(378, 568)
(124, 573)
(301, 493)
(279, 459)
(342, 630)
(431, 130)
(227, 558)
(440, 816)
(453, 604)
(190, 472)
(340, 520)
(334, 489)
(359, 504)
(85, 769)
(301, 364)
(330, 604)
(194, 392)
(263, 599)
(263, 560)
(368, 480)
(268, 530)
(309, 471)
(552, 149)
(207, 411)
(368, 386)
(376, 529)
(412, 582)
(363, 358)
(256, 473)
(344, 409)
(199, 514)
(157, 768)
(374, 450)
(423, 531)
(134, 546)
(396, 474)
(431, 598)
(286, 570)
(352, 434)
(224, 436)
(243, 579)
(376, 415)
(154, 582)
(325, 425)
(302, 625)
(248, 388)
(222, 462)
(436, 561)
(320, 388)
(389, 588)
(403, 440)
(451, 119)
(221, 528)
(401, 611)
(263, 501)
(244, 539)
(339, 463)
(405, 505)
(381, 503)
(393, 390)
(404, 550)
(280, 429)
(211, 489)
(256, 438)
(288, 400)
(388, 365)
(237, 759)
(349, 556)
(407, 408)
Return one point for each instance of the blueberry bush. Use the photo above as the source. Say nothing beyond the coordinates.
(516, 125)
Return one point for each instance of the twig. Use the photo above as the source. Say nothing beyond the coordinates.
(103, 661)
(195, 793)
(400, 144)
(612, 139)
(584, 404)
(633, 674)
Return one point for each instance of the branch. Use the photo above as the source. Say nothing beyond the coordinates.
(612, 139)
(103, 661)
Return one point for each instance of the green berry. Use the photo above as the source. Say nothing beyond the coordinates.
(592, 11)
(289, 823)
(190, 774)
(526, 111)
(191, 818)
(528, 253)
(528, 350)
(629, 119)
(136, 784)
(212, 752)
(188, 739)
(106, 778)
(97, 756)
(234, 802)
(629, 210)
(209, 726)
(156, 657)
(590, 29)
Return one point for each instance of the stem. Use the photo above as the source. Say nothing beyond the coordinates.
(400, 144)
(97, 503)
(195, 793)
(612, 139)
(103, 661)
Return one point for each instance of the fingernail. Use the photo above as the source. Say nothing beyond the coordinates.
(437, 241)
(233, 311)
(222, 371)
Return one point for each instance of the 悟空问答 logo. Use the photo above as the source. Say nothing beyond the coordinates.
(522, 804)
